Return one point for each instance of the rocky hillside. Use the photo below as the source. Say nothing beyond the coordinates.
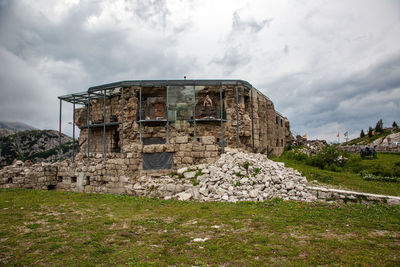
(6, 132)
(33, 145)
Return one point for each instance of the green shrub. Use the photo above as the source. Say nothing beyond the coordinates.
(296, 155)
(246, 165)
(328, 156)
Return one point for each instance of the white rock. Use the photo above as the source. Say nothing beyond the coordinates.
(184, 196)
(290, 185)
(200, 239)
(189, 175)
(182, 170)
(254, 193)
(244, 180)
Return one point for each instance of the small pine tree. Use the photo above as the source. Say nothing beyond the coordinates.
(370, 132)
(379, 126)
(394, 125)
(362, 134)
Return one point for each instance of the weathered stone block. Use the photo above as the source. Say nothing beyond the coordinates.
(187, 160)
(207, 140)
(149, 149)
(181, 139)
(211, 147)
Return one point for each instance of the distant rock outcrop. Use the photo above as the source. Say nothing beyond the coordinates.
(6, 132)
(33, 145)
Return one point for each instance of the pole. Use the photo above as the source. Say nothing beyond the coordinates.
(222, 123)
(194, 112)
(167, 117)
(122, 119)
(59, 134)
(73, 131)
(88, 129)
(237, 116)
(140, 114)
(104, 125)
(252, 121)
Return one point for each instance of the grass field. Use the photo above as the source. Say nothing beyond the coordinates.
(62, 228)
(348, 176)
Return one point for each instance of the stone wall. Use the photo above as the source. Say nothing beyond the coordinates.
(325, 194)
(36, 176)
(271, 130)
(235, 176)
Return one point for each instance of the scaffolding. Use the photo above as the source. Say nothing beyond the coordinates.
(105, 91)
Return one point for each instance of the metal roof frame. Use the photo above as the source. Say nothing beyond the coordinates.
(82, 97)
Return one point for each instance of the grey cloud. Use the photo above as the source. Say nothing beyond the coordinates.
(53, 59)
(349, 100)
(233, 58)
(286, 50)
(154, 12)
(239, 24)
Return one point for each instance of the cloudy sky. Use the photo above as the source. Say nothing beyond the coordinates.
(329, 66)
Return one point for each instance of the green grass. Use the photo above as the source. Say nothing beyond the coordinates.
(348, 176)
(51, 228)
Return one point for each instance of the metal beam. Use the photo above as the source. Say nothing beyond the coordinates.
(237, 116)
(59, 134)
(104, 126)
(73, 132)
(166, 104)
(140, 114)
(252, 122)
(194, 112)
(88, 133)
(122, 119)
(222, 123)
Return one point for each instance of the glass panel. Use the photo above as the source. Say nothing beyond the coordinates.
(207, 103)
(153, 104)
(153, 113)
(180, 103)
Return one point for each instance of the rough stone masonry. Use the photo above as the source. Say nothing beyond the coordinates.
(235, 176)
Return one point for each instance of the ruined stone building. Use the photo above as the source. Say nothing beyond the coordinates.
(133, 132)
(177, 122)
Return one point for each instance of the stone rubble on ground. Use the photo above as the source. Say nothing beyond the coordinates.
(236, 176)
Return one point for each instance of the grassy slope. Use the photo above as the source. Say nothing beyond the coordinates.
(348, 178)
(63, 228)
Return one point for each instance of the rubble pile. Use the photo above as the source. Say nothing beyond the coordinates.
(236, 176)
